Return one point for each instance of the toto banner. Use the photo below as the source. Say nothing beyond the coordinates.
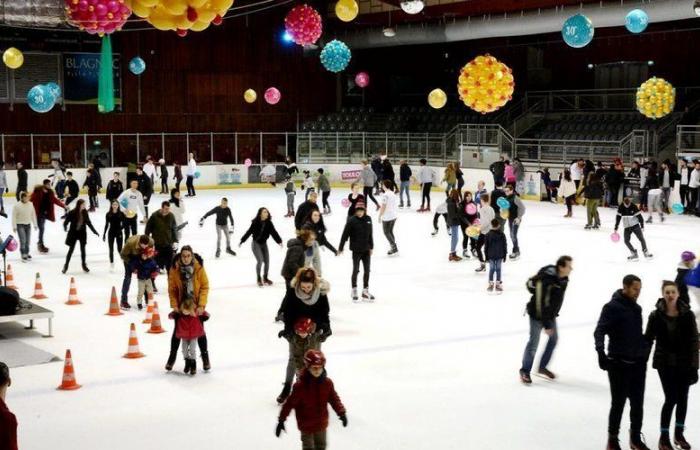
(350, 175)
(80, 75)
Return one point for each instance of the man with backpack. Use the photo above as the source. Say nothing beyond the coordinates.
(547, 288)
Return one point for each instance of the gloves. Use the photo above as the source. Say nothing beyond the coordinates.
(344, 420)
(693, 379)
(603, 361)
(282, 334)
(280, 428)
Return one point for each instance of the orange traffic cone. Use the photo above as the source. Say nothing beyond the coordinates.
(10, 278)
(114, 305)
(133, 350)
(68, 383)
(149, 309)
(155, 324)
(73, 294)
(38, 290)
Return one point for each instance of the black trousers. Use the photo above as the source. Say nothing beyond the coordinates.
(367, 191)
(111, 239)
(324, 198)
(676, 384)
(190, 185)
(72, 247)
(426, 194)
(130, 226)
(637, 230)
(693, 198)
(685, 195)
(480, 247)
(177, 183)
(20, 189)
(627, 382)
(436, 218)
(164, 186)
(164, 256)
(365, 257)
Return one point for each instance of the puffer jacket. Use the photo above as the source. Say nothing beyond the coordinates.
(295, 258)
(676, 344)
(200, 283)
(621, 321)
(309, 399)
(547, 291)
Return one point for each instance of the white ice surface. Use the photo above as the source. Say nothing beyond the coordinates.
(432, 364)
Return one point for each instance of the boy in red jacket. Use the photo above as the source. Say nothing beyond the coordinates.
(309, 398)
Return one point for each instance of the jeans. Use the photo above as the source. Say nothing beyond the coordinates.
(684, 195)
(126, 283)
(190, 185)
(531, 348)
(405, 185)
(313, 441)
(514, 227)
(495, 269)
(637, 230)
(356, 258)
(627, 381)
(592, 211)
(262, 256)
(222, 229)
(449, 189)
(290, 202)
(665, 196)
(41, 224)
(675, 382)
(613, 192)
(25, 234)
(426, 194)
(454, 237)
(388, 227)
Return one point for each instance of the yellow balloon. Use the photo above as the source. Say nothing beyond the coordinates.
(505, 214)
(250, 96)
(130, 214)
(182, 22)
(13, 58)
(200, 26)
(347, 10)
(221, 6)
(149, 3)
(437, 98)
(196, 4)
(175, 7)
(140, 10)
(205, 15)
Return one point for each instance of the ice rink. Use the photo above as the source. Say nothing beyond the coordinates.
(432, 364)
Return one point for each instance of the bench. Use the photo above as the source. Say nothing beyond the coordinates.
(31, 312)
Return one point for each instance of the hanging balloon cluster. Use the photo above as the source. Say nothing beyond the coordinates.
(97, 16)
(304, 25)
(181, 15)
(485, 84)
(335, 56)
(42, 97)
(13, 58)
(656, 98)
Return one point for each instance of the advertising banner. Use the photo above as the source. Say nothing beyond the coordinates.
(80, 78)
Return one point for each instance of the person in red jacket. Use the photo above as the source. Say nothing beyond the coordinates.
(43, 198)
(309, 398)
(8, 421)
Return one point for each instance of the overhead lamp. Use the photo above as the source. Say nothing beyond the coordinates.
(697, 7)
(389, 32)
(412, 6)
(590, 66)
(650, 63)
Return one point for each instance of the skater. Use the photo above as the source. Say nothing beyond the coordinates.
(291, 192)
(114, 188)
(145, 268)
(78, 220)
(113, 232)
(498, 169)
(21, 180)
(23, 217)
(614, 179)
(425, 178)
(72, 187)
(593, 192)
(388, 174)
(324, 187)
(480, 190)
(405, 174)
(508, 173)
(672, 326)
(496, 194)
(290, 167)
(59, 177)
(44, 199)
(547, 287)
(684, 176)
(307, 296)
(302, 251)
(377, 168)
(359, 230)
(460, 178)
(388, 213)
(305, 209)
(304, 338)
(468, 216)
(576, 171)
(368, 179)
(162, 228)
(486, 215)
(567, 191)
(261, 228)
(309, 398)
(694, 188)
(131, 201)
(684, 267)
(667, 177)
(163, 177)
(625, 361)
(441, 210)
(8, 421)
(548, 184)
(515, 218)
(354, 197)
(146, 190)
(177, 169)
(633, 222)
(177, 207)
(133, 247)
(655, 195)
(223, 215)
(315, 223)
(149, 169)
(519, 172)
(308, 185)
(449, 178)
(189, 329)
(191, 171)
(496, 252)
(452, 220)
(93, 187)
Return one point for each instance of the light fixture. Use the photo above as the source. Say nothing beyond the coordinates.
(650, 63)
(591, 66)
(389, 32)
(412, 6)
(286, 37)
(697, 7)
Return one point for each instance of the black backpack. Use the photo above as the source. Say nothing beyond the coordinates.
(9, 301)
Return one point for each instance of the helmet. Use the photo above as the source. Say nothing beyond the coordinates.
(687, 256)
(314, 358)
(304, 325)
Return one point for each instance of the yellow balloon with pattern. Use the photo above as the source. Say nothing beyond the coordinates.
(656, 98)
(13, 58)
(437, 98)
(250, 96)
(485, 84)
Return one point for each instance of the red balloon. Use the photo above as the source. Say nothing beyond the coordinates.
(181, 33)
(218, 20)
(97, 16)
(191, 14)
(304, 25)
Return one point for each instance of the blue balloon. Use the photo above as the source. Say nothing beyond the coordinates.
(335, 56)
(55, 89)
(40, 99)
(197, 174)
(137, 65)
(677, 208)
(636, 21)
(503, 203)
(578, 31)
(124, 202)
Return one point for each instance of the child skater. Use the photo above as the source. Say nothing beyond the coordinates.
(188, 329)
(496, 248)
(146, 270)
(633, 222)
(480, 190)
(305, 338)
(223, 215)
(441, 210)
(291, 192)
(468, 217)
(309, 398)
(354, 197)
(359, 230)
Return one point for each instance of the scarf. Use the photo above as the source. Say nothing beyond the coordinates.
(187, 275)
(308, 299)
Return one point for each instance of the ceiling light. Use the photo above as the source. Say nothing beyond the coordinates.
(697, 7)
(412, 6)
(389, 32)
(650, 63)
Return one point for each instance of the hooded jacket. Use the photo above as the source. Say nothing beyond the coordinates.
(303, 211)
(676, 337)
(295, 258)
(547, 290)
(621, 321)
(309, 399)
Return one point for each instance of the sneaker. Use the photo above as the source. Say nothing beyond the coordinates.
(366, 296)
(545, 373)
(633, 257)
(354, 295)
(490, 288)
(648, 254)
(515, 255)
(499, 287)
(525, 377)
(481, 268)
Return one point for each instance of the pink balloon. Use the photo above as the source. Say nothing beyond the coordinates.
(476, 222)
(101, 10)
(113, 6)
(471, 208)
(345, 202)
(615, 237)
(83, 5)
(362, 79)
(12, 245)
(247, 162)
(273, 96)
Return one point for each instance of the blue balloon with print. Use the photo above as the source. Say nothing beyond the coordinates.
(335, 56)
(137, 65)
(197, 174)
(40, 99)
(55, 89)
(636, 21)
(677, 208)
(578, 31)
(124, 202)
(503, 203)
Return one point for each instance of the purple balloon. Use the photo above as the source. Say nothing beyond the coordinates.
(83, 5)
(12, 245)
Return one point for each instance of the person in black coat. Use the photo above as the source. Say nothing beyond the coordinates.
(315, 222)
(114, 188)
(73, 188)
(405, 174)
(21, 180)
(305, 209)
(497, 193)
(93, 186)
(626, 359)
(261, 228)
(377, 168)
(297, 250)
(388, 173)
(496, 248)
(145, 188)
(498, 170)
(358, 229)
(672, 326)
(163, 177)
(453, 219)
(76, 223)
(114, 230)
(614, 179)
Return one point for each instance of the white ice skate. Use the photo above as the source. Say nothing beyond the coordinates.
(366, 296)
(354, 295)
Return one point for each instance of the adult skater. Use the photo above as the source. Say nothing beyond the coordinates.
(519, 172)
(261, 228)
(453, 218)
(359, 230)
(162, 228)
(21, 180)
(667, 177)
(498, 170)
(496, 194)
(614, 180)
(114, 188)
(76, 223)
(302, 251)
(93, 186)
(354, 197)
(223, 215)
(388, 213)
(58, 177)
(188, 278)
(44, 199)
(315, 222)
(633, 223)
(72, 187)
(449, 178)
(694, 188)
(290, 167)
(133, 246)
(625, 361)
(163, 176)
(324, 187)
(130, 202)
(593, 192)
(515, 218)
(576, 170)
(655, 195)
(547, 287)
(8, 421)
(486, 215)
(377, 168)
(567, 191)
(684, 175)
(425, 178)
(405, 174)
(177, 207)
(388, 174)
(150, 170)
(368, 178)
(146, 190)
(672, 326)
(305, 209)
(684, 267)
(23, 217)
(191, 171)
(460, 178)
(177, 168)
(114, 230)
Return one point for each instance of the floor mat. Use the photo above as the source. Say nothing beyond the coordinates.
(15, 353)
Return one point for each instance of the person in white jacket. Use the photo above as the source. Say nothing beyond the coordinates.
(425, 178)
(150, 169)
(486, 215)
(131, 201)
(567, 190)
(177, 207)
(191, 170)
(23, 217)
(694, 187)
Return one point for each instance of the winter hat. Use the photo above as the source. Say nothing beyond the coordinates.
(360, 205)
(688, 256)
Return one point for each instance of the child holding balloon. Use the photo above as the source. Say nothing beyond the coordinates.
(468, 218)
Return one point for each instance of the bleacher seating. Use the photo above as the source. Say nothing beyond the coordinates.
(593, 126)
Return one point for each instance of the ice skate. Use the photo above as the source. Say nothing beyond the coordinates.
(588, 227)
(230, 251)
(284, 394)
(193, 366)
(514, 256)
(665, 443)
(393, 251)
(187, 365)
(260, 283)
(499, 287)
(679, 440)
(662, 218)
(481, 268)
(465, 254)
(633, 257)
(636, 443)
(545, 373)
(354, 295)
(490, 288)
(139, 305)
(218, 252)
(267, 282)
(648, 254)
(650, 219)
(525, 377)
(125, 306)
(206, 364)
(454, 258)
(366, 296)
(613, 443)
(434, 233)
